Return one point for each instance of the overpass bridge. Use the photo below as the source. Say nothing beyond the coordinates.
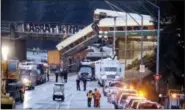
(26, 30)
(15, 33)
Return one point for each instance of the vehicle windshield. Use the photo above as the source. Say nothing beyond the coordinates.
(26, 72)
(111, 69)
(148, 106)
(58, 88)
(86, 69)
(12, 66)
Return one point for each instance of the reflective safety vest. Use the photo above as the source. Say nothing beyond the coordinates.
(89, 95)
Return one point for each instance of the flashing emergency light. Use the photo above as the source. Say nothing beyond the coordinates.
(5, 52)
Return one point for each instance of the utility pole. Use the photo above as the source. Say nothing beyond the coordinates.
(158, 41)
(158, 47)
(141, 47)
(126, 34)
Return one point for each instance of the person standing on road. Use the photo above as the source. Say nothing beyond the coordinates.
(65, 75)
(85, 83)
(89, 98)
(56, 74)
(78, 83)
(61, 74)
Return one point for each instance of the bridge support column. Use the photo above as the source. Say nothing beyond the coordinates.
(17, 48)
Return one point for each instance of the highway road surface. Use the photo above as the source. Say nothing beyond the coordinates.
(41, 96)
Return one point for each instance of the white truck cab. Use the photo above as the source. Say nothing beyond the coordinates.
(108, 70)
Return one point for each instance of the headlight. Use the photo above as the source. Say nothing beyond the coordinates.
(25, 81)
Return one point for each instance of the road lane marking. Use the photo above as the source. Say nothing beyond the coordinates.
(58, 105)
(71, 98)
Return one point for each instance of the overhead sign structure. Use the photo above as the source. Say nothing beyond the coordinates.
(142, 68)
(52, 28)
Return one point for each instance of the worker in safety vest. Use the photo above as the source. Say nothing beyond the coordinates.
(89, 98)
(97, 97)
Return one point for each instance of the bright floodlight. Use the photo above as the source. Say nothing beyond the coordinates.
(5, 52)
